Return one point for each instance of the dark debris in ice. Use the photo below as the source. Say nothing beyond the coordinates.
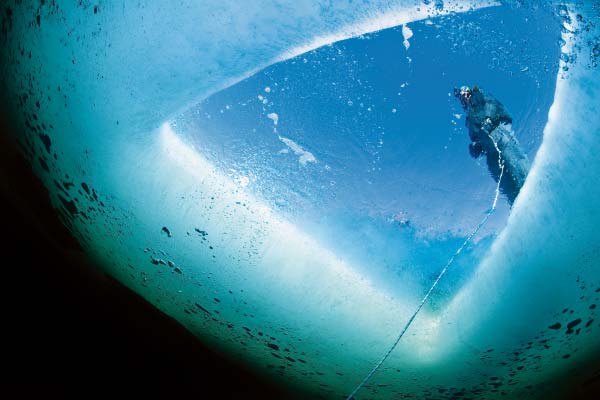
(69, 205)
(202, 308)
(202, 233)
(157, 261)
(573, 323)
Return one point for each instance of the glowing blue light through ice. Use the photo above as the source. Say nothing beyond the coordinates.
(386, 177)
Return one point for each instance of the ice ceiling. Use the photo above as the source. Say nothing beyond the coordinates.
(104, 94)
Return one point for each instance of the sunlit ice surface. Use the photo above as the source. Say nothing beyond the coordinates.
(289, 187)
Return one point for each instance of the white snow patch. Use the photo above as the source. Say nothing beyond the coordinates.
(304, 156)
(274, 117)
(407, 33)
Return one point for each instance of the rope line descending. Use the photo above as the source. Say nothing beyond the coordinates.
(437, 280)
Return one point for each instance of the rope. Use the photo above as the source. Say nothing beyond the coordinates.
(439, 277)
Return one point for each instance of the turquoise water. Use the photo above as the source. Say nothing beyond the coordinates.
(288, 179)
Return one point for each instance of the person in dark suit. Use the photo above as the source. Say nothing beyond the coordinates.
(492, 136)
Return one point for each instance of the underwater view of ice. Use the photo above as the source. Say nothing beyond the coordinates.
(287, 179)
